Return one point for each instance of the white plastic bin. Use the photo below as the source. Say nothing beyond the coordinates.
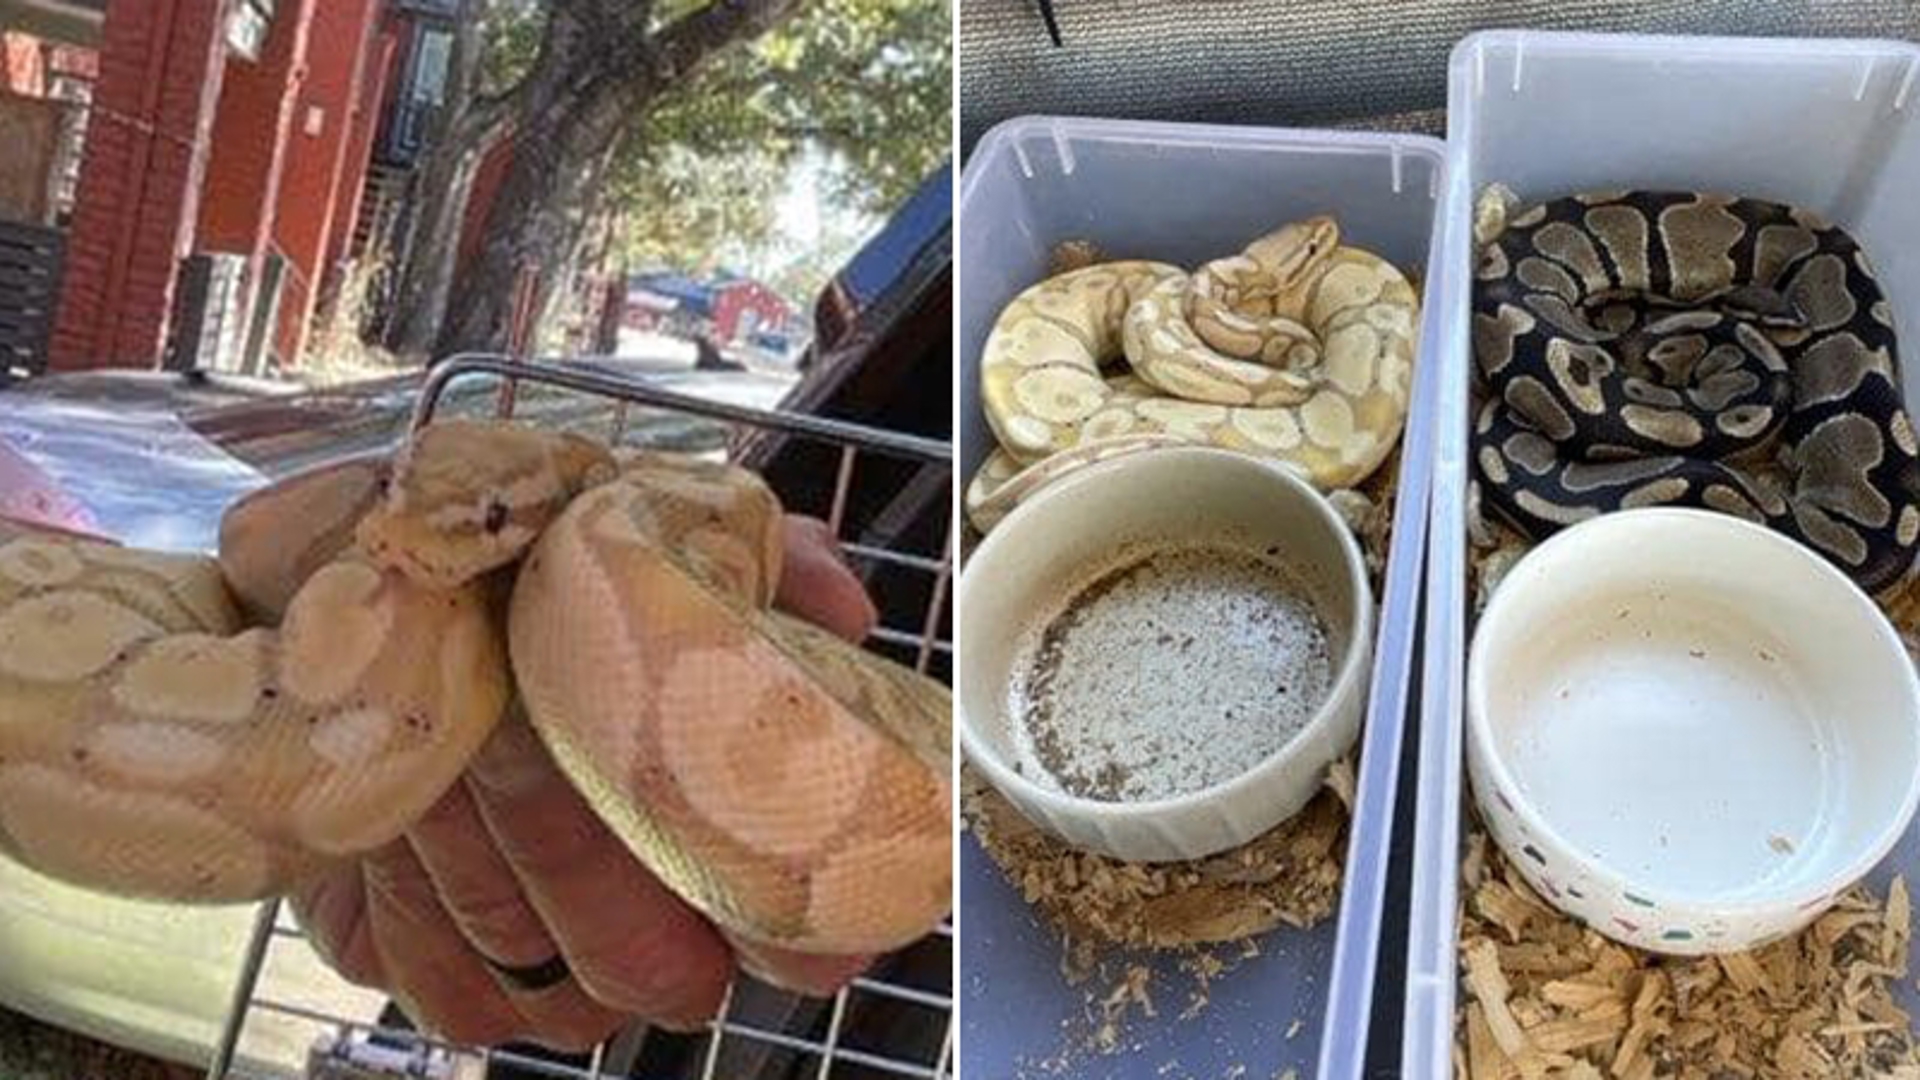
(1828, 125)
(1185, 194)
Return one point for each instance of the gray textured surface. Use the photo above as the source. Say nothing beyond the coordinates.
(33, 1051)
(1310, 62)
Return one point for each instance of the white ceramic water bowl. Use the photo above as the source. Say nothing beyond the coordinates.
(1179, 495)
(1688, 730)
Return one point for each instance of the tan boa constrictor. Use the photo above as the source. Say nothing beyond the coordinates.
(156, 742)
(1298, 350)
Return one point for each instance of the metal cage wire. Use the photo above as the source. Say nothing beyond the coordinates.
(824, 1053)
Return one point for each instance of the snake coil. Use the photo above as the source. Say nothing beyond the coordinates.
(1298, 350)
(1684, 348)
(181, 728)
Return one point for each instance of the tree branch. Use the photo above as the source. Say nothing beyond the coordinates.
(637, 16)
(670, 57)
(481, 113)
(680, 47)
(485, 116)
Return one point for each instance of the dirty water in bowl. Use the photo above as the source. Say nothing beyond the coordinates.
(1166, 670)
(1676, 740)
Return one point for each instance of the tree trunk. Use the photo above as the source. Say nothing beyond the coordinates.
(420, 296)
(462, 132)
(598, 69)
(574, 298)
(534, 224)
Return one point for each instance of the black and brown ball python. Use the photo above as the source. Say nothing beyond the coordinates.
(1681, 348)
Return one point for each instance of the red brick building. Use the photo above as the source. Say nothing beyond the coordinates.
(195, 146)
(248, 130)
(727, 309)
(743, 307)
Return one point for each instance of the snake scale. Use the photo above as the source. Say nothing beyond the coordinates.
(191, 729)
(1686, 348)
(1298, 350)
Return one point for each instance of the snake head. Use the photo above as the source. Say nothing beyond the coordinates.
(1497, 205)
(1292, 251)
(469, 496)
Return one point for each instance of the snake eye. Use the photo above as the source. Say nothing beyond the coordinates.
(496, 518)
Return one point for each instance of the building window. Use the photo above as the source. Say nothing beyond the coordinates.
(421, 95)
(430, 79)
(248, 25)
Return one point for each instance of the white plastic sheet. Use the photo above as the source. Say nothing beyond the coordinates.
(146, 478)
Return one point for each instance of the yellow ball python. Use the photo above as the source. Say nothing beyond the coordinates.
(1654, 348)
(1298, 350)
(157, 742)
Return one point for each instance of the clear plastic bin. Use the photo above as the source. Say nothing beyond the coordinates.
(1183, 193)
(1824, 124)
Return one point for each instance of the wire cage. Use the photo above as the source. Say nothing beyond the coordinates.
(894, 1022)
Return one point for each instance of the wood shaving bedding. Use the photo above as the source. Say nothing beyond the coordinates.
(1106, 909)
(1070, 255)
(1544, 998)
(1288, 877)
